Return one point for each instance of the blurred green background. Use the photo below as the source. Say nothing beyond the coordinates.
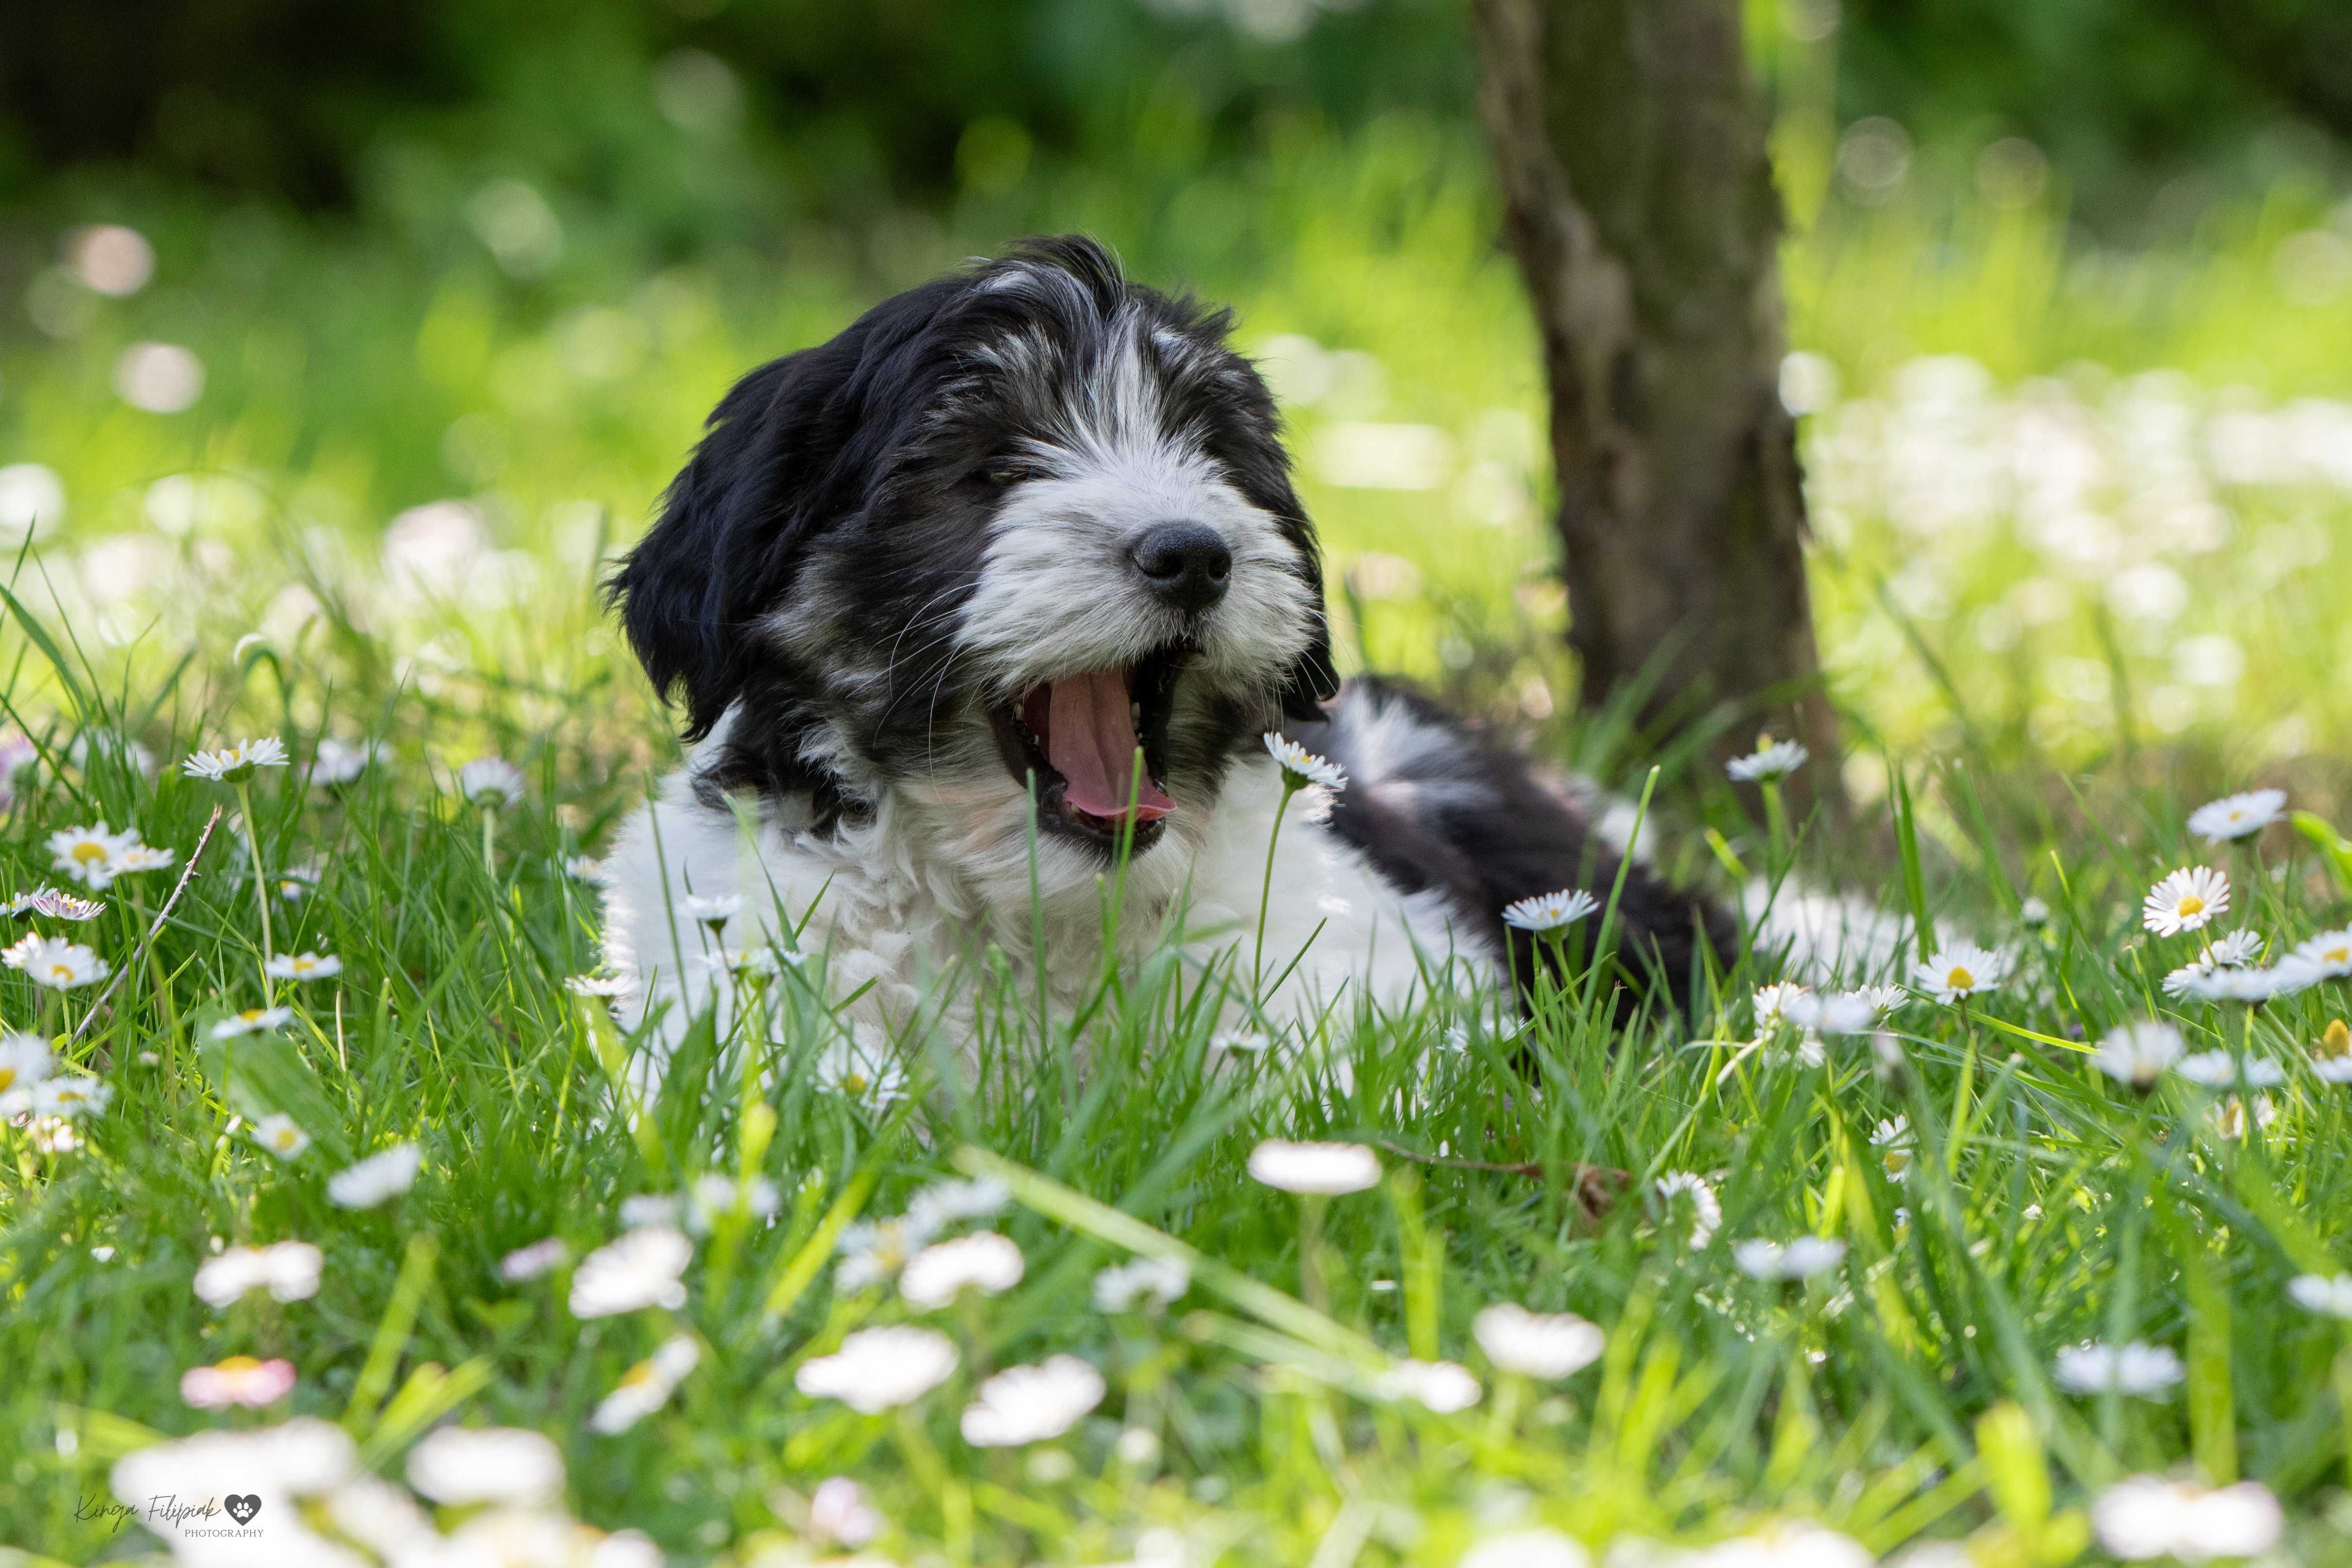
(404, 314)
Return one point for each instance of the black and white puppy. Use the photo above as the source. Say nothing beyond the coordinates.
(1006, 533)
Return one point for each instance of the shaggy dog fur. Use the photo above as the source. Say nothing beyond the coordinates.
(927, 589)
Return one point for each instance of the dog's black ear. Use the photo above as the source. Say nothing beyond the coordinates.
(732, 527)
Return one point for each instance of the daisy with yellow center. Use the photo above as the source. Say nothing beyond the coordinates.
(2188, 899)
(1960, 972)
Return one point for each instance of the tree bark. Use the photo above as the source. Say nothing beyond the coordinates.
(1639, 204)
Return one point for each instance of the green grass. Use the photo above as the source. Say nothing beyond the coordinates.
(2049, 749)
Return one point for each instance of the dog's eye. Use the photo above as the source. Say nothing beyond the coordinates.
(1001, 474)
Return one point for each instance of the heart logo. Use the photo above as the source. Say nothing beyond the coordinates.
(242, 1509)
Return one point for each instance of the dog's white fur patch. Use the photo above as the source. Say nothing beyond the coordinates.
(891, 912)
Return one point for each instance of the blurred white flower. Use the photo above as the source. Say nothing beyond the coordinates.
(70, 1095)
(1323, 1168)
(1032, 1403)
(1439, 1386)
(1799, 1260)
(235, 764)
(2138, 1053)
(491, 783)
(299, 966)
(1960, 972)
(2187, 900)
(2330, 1297)
(2148, 1516)
(713, 910)
(340, 763)
(26, 1060)
(639, 1270)
(1153, 1282)
(461, 1464)
(646, 1386)
(1301, 767)
(289, 1270)
(32, 501)
(2328, 955)
(1538, 1547)
(2237, 816)
(2033, 912)
(89, 855)
(238, 1380)
(54, 963)
(159, 378)
(1770, 760)
(2249, 982)
(1793, 1544)
(2142, 1371)
(2216, 1068)
(300, 881)
(714, 1197)
(878, 1369)
(1891, 1139)
(983, 1261)
(542, 1257)
(297, 1459)
(945, 1204)
(378, 1179)
(873, 1251)
(1843, 1012)
(838, 1511)
(1776, 1003)
(1707, 1214)
(1550, 912)
(861, 1067)
(2230, 1116)
(135, 857)
(281, 1135)
(252, 1021)
(589, 869)
(601, 985)
(1536, 1344)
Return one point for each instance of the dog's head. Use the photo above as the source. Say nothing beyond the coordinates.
(1014, 525)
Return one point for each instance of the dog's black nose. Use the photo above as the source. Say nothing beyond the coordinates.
(1185, 562)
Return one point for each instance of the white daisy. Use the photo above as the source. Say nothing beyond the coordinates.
(235, 764)
(490, 782)
(2216, 1068)
(238, 1380)
(861, 1067)
(2234, 951)
(340, 763)
(2330, 1297)
(714, 1197)
(2148, 1516)
(2187, 900)
(1960, 972)
(2138, 1053)
(873, 1251)
(1439, 1386)
(460, 1464)
(639, 1270)
(838, 1511)
(646, 1386)
(1707, 1214)
(2143, 1372)
(2230, 1118)
(26, 1060)
(1891, 1139)
(276, 1465)
(589, 869)
(1799, 1260)
(2033, 912)
(70, 1095)
(302, 967)
(945, 1204)
(2328, 955)
(281, 1135)
(378, 1179)
(542, 1257)
(1322, 1168)
(1537, 1548)
(1301, 767)
(289, 1270)
(55, 963)
(879, 1369)
(1794, 1544)
(1537, 1344)
(252, 1021)
(2249, 982)
(1774, 1003)
(1845, 1013)
(88, 854)
(2237, 816)
(1550, 912)
(983, 1261)
(1150, 1282)
(603, 985)
(713, 910)
(137, 858)
(1032, 1403)
(300, 881)
(1770, 760)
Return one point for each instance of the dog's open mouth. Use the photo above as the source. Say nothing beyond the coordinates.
(1078, 736)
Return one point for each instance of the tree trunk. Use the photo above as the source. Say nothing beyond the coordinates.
(1639, 203)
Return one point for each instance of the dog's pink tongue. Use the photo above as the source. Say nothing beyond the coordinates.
(1090, 741)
